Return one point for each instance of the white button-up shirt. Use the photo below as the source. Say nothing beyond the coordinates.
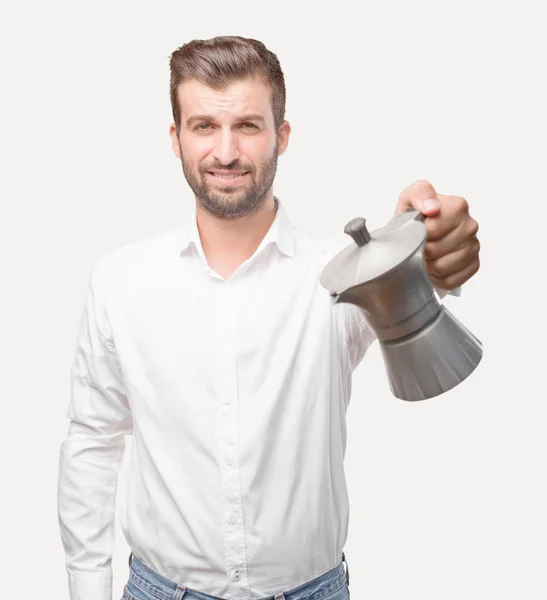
(235, 393)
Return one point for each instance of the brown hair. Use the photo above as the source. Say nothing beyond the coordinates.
(223, 60)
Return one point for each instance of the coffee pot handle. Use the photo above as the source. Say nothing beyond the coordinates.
(419, 215)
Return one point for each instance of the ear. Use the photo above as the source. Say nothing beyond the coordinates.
(174, 140)
(283, 136)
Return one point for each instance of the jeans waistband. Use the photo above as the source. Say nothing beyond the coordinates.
(144, 577)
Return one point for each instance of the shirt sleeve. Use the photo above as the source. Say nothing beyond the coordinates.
(359, 334)
(351, 321)
(91, 454)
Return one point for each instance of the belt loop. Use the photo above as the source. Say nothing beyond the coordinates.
(179, 592)
(130, 558)
(280, 596)
(347, 568)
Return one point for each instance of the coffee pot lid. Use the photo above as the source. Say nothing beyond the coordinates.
(372, 255)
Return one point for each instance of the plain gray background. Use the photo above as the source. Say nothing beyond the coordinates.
(447, 496)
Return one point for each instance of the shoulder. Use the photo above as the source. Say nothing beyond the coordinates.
(317, 248)
(134, 259)
(140, 252)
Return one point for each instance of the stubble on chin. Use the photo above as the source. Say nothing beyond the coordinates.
(233, 203)
(230, 203)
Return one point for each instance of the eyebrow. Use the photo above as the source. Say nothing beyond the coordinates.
(250, 117)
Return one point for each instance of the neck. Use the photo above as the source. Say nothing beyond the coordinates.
(231, 242)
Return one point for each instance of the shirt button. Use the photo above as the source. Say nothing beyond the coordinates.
(236, 576)
(229, 460)
(233, 520)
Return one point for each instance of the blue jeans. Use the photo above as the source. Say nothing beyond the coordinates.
(146, 584)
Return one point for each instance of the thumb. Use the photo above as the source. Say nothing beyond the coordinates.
(429, 206)
(420, 196)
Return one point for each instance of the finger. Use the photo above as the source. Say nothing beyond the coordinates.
(454, 211)
(456, 279)
(421, 195)
(451, 263)
(438, 245)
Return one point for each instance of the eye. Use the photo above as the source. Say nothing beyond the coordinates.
(207, 126)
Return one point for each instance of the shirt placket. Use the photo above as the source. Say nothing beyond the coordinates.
(227, 406)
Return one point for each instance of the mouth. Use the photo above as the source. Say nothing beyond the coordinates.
(227, 179)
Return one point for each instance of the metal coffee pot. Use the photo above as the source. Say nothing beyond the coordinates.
(426, 350)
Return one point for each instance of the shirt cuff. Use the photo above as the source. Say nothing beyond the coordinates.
(455, 292)
(90, 585)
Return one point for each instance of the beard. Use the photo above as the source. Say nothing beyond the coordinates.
(232, 202)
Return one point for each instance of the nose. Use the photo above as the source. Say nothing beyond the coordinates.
(226, 147)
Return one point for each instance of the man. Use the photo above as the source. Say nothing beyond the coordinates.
(217, 348)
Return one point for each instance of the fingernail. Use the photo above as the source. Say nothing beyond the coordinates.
(430, 204)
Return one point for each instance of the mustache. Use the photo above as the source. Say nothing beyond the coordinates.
(227, 168)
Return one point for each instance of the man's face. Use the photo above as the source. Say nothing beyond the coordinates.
(229, 132)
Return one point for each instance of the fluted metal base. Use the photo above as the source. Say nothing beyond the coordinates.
(433, 361)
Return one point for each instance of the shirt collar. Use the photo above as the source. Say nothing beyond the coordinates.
(281, 233)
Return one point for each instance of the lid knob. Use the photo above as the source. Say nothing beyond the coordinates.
(358, 231)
